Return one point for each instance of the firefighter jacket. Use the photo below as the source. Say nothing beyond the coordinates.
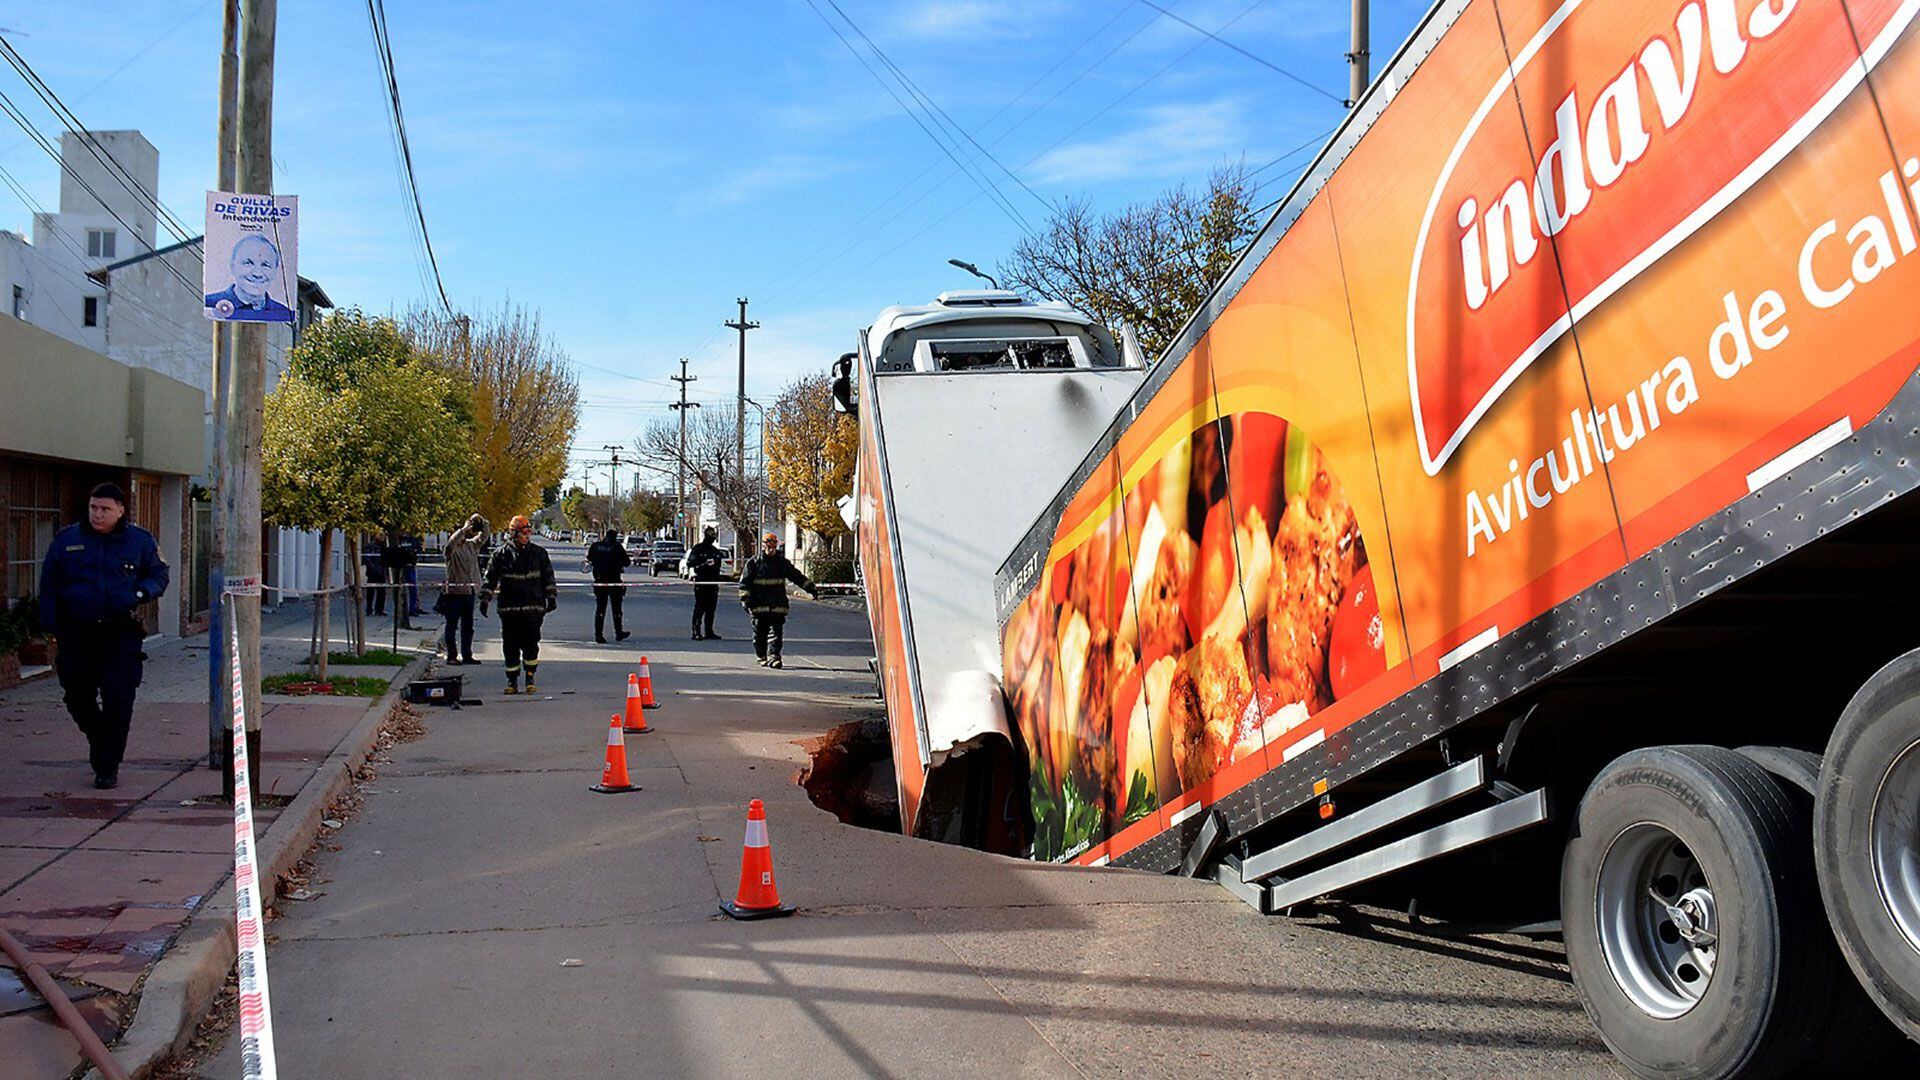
(763, 585)
(522, 579)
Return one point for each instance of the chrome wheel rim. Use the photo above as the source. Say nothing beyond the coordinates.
(1895, 831)
(1659, 929)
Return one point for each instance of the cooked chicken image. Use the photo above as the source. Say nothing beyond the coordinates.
(1316, 549)
(1161, 615)
(1209, 695)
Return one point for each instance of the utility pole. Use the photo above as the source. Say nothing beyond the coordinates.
(1358, 76)
(680, 459)
(219, 682)
(246, 378)
(740, 415)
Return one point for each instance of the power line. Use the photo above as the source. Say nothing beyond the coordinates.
(928, 100)
(13, 111)
(114, 169)
(383, 46)
(1251, 56)
(986, 188)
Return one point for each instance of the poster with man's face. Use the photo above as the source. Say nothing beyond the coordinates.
(251, 251)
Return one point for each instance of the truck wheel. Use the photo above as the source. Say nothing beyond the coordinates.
(1692, 927)
(1867, 826)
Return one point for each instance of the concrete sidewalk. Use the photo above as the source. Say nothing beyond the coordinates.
(98, 884)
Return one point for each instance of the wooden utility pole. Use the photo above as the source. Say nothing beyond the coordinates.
(246, 381)
(1357, 70)
(740, 416)
(680, 460)
(219, 682)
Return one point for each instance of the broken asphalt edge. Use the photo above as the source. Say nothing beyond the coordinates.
(181, 985)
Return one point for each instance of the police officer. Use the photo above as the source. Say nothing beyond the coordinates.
(96, 572)
(763, 589)
(705, 560)
(521, 575)
(607, 557)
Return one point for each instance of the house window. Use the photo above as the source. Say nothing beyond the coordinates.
(90, 311)
(100, 243)
(19, 302)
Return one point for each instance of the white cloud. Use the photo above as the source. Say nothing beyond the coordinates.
(757, 181)
(1169, 140)
(972, 20)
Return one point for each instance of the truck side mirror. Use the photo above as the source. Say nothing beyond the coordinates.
(843, 399)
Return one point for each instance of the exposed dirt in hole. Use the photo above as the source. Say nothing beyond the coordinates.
(851, 776)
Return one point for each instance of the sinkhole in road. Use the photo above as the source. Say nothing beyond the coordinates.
(850, 774)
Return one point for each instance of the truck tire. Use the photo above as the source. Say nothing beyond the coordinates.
(1865, 825)
(1693, 928)
(1856, 1038)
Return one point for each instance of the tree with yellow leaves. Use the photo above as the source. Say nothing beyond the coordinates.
(810, 454)
(525, 400)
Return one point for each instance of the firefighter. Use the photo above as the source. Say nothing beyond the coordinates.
(608, 557)
(521, 575)
(95, 573)
(763, 589)
(705, 560)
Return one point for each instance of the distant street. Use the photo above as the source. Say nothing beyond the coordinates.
(481, 868)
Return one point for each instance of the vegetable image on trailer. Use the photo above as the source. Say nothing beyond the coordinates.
(1540, 481)
(972, 411)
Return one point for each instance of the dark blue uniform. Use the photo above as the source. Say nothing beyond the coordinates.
(89, 585)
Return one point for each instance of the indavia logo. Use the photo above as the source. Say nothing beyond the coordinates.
(1645, 144)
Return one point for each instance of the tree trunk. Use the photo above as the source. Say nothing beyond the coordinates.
(357, 615)
(325, 600)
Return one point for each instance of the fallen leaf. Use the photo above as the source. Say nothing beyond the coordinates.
(332, 823)
(708, 839)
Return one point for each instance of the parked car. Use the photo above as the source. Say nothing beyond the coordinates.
(639, 548)
(665, 555)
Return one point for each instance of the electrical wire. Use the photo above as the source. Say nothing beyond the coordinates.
(383, 45)
(66, 116)
(13, 111)
(987, 188)
(1263, 61)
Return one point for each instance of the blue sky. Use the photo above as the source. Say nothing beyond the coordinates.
(629, 168)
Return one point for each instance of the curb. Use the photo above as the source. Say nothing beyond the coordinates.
(178, 990)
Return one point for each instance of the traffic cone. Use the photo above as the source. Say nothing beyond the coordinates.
(758, 899)
(613, 777)
(636, 723)
(646, 686)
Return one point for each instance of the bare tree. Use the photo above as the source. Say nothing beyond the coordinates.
(710, 463)
(1150, 264)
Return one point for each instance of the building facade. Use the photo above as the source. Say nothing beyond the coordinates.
(98, 274)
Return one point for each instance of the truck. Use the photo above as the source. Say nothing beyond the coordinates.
(972, 410)
(1532, 507)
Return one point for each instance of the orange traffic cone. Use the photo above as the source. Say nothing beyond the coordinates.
(613, 777)
(636, 721)
(758, 899)
(646, 685)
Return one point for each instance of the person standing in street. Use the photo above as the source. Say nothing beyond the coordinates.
(374, 560)
(763, 589)
(607, 557)
(398, 558)
(704, 561)
(411, 545)
(95, 573)
(463, 583)
(521, 576)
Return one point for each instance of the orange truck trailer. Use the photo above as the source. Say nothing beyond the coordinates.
(1541, 478)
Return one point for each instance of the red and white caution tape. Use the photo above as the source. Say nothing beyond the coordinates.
(256, 1017)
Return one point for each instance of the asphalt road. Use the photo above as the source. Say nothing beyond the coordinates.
(480, 870)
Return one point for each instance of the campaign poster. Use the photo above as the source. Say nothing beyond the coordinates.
(251, 257)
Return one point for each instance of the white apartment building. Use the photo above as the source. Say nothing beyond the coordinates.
(99, 273)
